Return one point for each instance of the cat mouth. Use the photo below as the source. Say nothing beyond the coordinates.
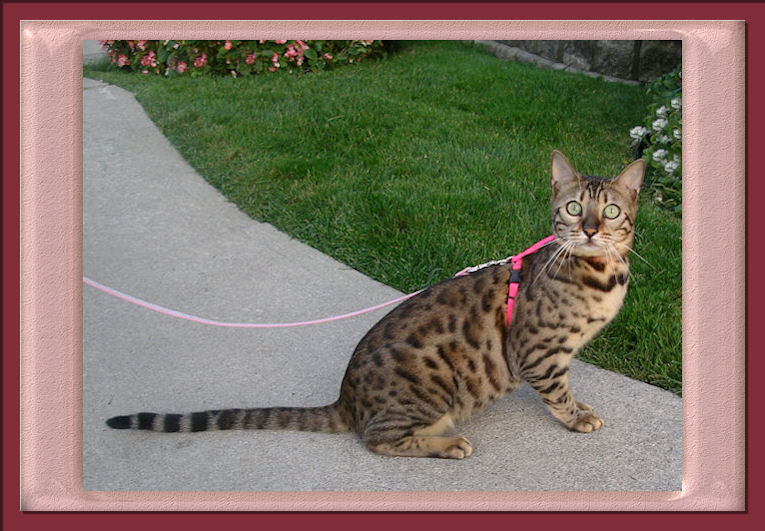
(583, 246)
(598, 251)
(589, 248)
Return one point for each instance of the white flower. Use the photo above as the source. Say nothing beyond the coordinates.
(671, 166)
(676, 103)
(638, 132)
(677, 134)
(661, 111)
(659, 154)
(659, 124)
(664, 139)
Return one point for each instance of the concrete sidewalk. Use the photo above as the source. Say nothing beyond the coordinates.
(92, 52)
(153, 228)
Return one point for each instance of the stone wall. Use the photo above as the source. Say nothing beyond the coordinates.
(627, 60)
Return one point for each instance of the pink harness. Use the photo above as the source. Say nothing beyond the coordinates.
(515, 272)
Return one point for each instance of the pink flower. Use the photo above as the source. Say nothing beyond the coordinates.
(182, 67)
(302, 45)
(148, 59)
(233, 73)
(327, 56)
(200, 61)
(122, 60)
(228, 45)
(141, 45)
(272, 69)
(291, 53)
(275, 60)
(131, 44)
(280, 42)
(250, 58)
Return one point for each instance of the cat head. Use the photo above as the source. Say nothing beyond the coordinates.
(593, 215)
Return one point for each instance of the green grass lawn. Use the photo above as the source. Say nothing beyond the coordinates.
(410, 168)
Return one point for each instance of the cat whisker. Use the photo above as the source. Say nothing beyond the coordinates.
(555, 255)
(549, 243)
(570, 254)
(612, 251)
(633, 251)
(550, 260)
(566, 259)
(544, 267)
(620, 257)
(563, 250)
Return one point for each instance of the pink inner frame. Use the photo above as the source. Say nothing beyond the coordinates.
(51, 240)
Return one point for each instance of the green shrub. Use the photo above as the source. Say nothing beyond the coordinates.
(236, 58)
(661, 142)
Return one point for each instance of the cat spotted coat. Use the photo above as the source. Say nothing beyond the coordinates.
(445, 353)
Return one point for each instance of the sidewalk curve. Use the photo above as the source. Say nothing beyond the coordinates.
(153, 228)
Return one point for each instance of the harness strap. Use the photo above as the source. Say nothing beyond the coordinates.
(515, 274)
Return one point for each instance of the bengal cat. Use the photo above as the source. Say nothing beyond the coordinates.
(445, 353)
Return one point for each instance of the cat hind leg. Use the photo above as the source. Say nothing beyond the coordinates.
(413, 446)
(434, 440)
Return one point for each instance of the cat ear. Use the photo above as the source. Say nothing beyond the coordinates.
(631, 178)
(563, 173)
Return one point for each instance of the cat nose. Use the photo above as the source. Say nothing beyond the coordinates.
(590, 224)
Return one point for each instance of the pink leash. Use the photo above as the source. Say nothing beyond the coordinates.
(516, 260)
(180, 315)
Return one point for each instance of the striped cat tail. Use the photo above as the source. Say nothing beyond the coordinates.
(326, 419)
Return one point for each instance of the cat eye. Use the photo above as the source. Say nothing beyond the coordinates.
(574, 208)
(611, 211)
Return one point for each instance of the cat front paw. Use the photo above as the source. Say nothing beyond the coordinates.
(586, 420)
